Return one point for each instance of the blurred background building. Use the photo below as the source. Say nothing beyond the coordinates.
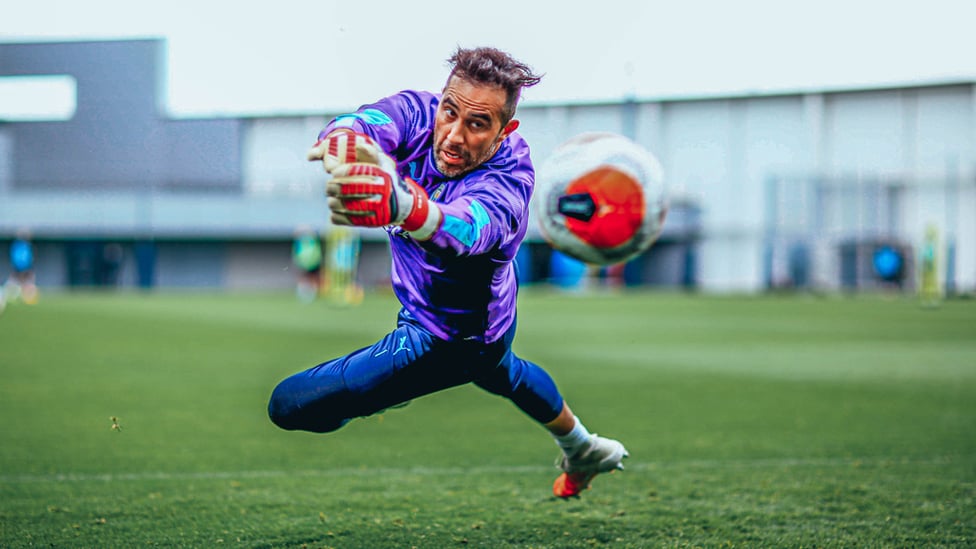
(819, 189)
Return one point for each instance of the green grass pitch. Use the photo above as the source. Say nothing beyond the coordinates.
(751, 421)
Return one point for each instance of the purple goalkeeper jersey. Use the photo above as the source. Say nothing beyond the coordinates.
(460, 284)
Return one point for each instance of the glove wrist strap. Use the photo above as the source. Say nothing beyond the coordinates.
(425, 217)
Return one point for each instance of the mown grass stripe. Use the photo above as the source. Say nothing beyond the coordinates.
(478, 470)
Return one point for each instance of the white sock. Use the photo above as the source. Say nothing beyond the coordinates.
(573, 441)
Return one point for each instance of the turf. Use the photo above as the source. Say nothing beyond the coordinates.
(751, 421)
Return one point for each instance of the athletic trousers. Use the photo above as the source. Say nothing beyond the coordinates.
(407, 363)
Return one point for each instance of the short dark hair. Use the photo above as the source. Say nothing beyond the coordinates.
(493, 67)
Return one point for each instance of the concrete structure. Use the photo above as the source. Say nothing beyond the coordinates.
(788, 189)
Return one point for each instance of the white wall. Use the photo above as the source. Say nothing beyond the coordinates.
(274, 156)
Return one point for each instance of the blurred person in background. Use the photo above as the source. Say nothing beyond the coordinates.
(20, 284)
(306, 253)
(342, 265)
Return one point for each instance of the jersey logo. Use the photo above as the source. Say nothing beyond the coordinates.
(435, 196)
(402, 345)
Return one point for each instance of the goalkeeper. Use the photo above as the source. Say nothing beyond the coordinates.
(447, 177)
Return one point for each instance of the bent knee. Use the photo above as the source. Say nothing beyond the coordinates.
(282, 411)
(287, 412)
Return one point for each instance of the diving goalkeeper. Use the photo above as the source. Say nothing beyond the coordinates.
(449, 179)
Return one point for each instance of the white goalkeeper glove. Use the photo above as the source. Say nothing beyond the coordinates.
(365, 189)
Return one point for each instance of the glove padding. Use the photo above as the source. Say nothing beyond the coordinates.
(366, 190)
(344, 146)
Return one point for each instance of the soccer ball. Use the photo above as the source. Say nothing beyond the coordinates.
(600, 198)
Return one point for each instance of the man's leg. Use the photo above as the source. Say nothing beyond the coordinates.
(584, 456)
(531, 388)
(564, 422)
(407, 363)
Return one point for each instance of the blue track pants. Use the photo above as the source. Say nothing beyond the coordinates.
(408, 363)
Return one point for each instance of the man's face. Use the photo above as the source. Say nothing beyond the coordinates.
(468, 129)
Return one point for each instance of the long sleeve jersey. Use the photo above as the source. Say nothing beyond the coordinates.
(461, 283)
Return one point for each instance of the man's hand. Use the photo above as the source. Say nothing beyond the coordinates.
(344, 146)
(366, 190)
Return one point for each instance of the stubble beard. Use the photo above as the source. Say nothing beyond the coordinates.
(469, 165)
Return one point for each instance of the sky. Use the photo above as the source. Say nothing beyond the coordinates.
(299, 56)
